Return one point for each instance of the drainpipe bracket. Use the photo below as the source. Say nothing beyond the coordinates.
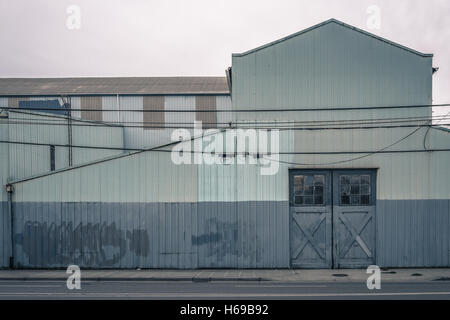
(9, 188)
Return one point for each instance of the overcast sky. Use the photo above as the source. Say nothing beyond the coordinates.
(194, 37)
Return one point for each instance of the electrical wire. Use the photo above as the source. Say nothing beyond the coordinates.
(352, 159)
(148, 124)
(280, 128)
(308, 109)
(157, 149)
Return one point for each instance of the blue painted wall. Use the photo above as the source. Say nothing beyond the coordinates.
(413, 233)
(5, 235)
(410, 233)
(152, 235)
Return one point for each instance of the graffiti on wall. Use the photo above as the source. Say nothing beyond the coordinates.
(87, 244)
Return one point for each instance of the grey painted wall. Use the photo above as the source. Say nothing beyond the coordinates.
(5, 235)
(410, 233)
(413, 233)
(152, 235)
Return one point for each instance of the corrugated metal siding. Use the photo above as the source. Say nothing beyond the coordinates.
(75, 103)
(412, 233)
(244, 182)
(401, 175)
(91, 103)
(234, 216)
(331, 66)
(143, 177)
(137, 137)
(5, 236)
(137, 180)
(206, 103)
(152, 235)
(28, 160)
(3, 102)
(153, 119)
(224, 103)
(108, 137)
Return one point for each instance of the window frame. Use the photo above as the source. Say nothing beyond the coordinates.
(337, 186)
(326, 187)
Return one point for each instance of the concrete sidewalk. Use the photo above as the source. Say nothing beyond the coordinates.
(283, 275)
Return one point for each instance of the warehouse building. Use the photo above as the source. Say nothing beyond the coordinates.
(362, 178)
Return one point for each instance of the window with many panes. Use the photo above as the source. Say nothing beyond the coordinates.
(355, 189)
(309, 189)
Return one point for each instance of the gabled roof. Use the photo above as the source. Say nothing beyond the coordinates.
(113, 85)
(337, 22)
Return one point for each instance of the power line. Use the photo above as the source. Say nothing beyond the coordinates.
(228, 124)
(146, 124)
(308, 109)
(281, 128)
(61, 118)
(352, 159)
(222, 154)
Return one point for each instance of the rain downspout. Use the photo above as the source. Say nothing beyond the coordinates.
(10, 190)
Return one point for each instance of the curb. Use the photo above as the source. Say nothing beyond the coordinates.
(132, 279)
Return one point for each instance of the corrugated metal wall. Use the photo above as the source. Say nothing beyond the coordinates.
(28, 160)
(330, 66)
(138, 137)
(413, 233)
(151, 235)
(142, 210)
(234, 217)
(22, 160)
(5, 236)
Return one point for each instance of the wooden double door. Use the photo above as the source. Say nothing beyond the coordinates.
(332, 218)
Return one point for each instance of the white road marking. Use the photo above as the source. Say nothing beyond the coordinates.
(279, 286)
(228, 295)
(28, 286)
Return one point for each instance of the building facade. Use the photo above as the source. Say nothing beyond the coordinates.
(361, 177)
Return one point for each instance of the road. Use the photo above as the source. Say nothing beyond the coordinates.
(187, 290)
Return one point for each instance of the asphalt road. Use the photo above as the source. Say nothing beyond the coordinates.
(187, 290)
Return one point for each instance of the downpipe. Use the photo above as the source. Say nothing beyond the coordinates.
(10, 190)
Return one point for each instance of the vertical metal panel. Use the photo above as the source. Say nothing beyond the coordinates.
(221, 234)
(133, 136)
(110, 103)
(413, 233)
(75, 103)
(111, 235)
(140, 138)
(206, 103)
(5, 237)
(28, 160)
(153, 119)
(3, 102)
(91, 103)
(224, 103)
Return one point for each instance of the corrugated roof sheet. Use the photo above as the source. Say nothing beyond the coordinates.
(113, 85)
